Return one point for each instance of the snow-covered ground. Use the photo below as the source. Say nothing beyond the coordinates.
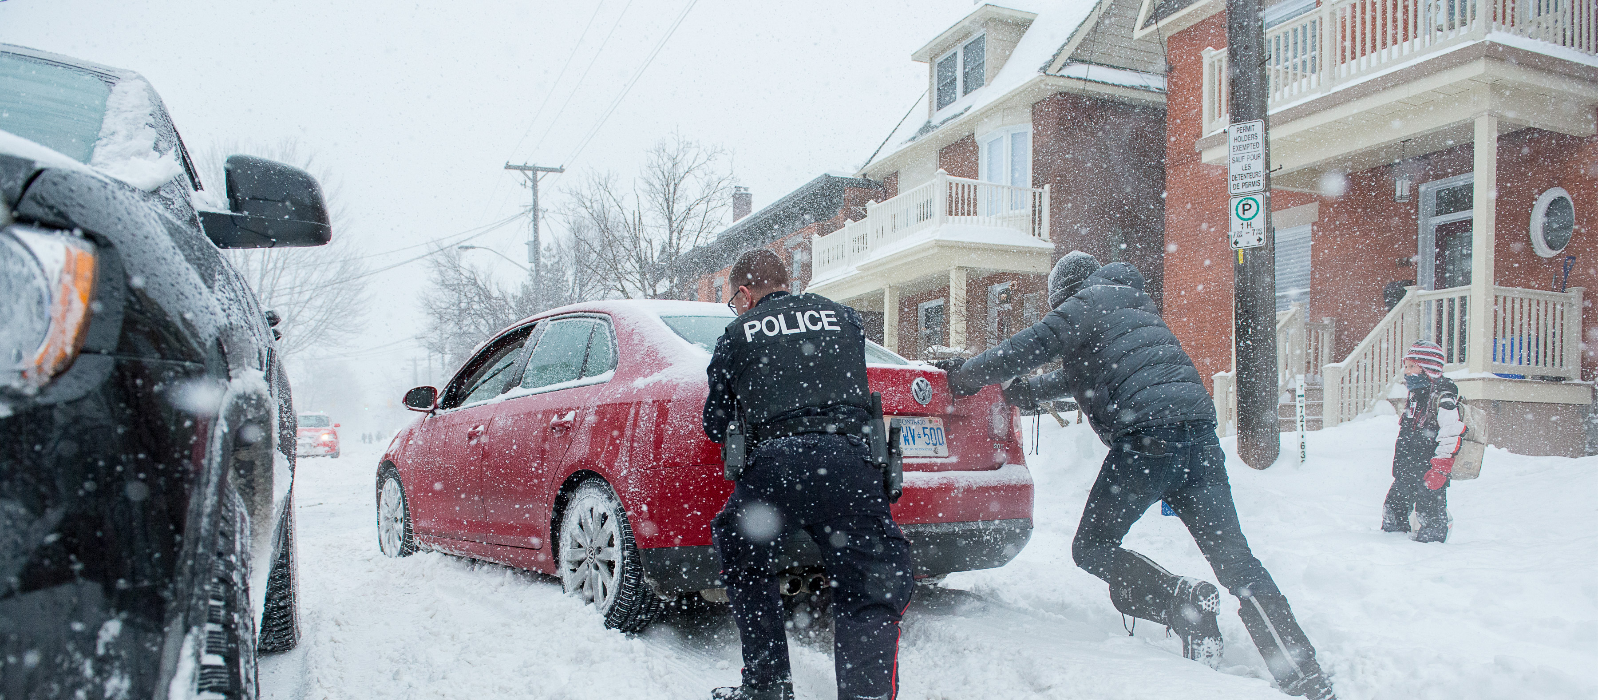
(1506, 609)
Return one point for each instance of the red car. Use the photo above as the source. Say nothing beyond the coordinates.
(318, 436)
(570, 444)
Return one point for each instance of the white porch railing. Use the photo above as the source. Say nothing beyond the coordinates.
(940, 201)
(1343, 40)
(1304, 346)
(1535, 334)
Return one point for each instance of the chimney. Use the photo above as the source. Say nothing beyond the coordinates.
(741, 202)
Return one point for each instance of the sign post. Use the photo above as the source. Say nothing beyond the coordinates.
(1255, 341)
(1300, 412)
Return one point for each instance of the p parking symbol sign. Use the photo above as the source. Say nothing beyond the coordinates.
(1247, 221)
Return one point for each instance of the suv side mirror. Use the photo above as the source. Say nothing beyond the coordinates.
(270, 205)
(421, 398)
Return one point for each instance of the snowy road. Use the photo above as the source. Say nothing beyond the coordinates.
(1507, 609)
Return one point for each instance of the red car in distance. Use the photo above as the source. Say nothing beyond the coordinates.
(318, 436)
(570, 444)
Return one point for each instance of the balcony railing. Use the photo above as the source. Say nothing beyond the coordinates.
(938, 202)
(1345, 40)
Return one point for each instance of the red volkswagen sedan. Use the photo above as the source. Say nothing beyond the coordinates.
(570, 444)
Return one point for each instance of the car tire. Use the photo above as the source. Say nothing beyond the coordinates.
(226, 659)
(280, 616)
(334, 455)
(395, 536)
(598, 560)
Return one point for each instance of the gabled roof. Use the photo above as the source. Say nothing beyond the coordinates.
(1056, 30)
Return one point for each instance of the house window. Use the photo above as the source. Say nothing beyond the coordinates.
(999, 317)
(1552, 222)
(958, 73)
(930, 323)
(1288, 9)
(716, 288)
(1005, 157)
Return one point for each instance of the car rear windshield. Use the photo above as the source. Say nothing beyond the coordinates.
(703, 331)
(315, 421)
(52, 105)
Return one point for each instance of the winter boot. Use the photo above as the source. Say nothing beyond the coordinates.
(1433, 530)
(1395, 522)
(782, 690)
(1283, 645)
(1193, 615)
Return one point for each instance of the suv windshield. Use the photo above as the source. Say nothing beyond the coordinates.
(314, 420)
(703, 331)
(55, 106)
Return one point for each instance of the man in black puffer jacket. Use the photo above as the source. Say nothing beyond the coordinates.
(1144, 398)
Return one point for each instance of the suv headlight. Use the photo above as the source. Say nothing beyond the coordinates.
(46, 288)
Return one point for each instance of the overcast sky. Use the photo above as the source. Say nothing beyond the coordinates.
(417, 106)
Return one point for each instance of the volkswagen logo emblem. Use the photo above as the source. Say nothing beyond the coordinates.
(922, 390)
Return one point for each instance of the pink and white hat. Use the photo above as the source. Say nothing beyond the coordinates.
(1428, 354)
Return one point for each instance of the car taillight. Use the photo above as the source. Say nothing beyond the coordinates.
(1000, 420)
(46, 287)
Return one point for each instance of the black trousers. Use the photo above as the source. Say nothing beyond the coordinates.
(1192, 478)
(822, 484)
(1411, 462)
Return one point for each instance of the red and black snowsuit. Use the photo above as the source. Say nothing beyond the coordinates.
(1431, 427)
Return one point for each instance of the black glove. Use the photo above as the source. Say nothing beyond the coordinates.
(1020, 394)
(950, 365)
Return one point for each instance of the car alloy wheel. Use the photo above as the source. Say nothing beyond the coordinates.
(395, 538)
(599, 561)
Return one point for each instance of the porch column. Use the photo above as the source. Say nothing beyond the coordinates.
(958, 308)
(891, 318)
(1480, 304)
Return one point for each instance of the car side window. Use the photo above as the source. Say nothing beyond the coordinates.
(491, 373)
(602, 352)
(560, 353)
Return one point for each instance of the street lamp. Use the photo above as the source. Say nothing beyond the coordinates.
(496, 252)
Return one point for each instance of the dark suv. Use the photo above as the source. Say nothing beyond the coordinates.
(146, 432)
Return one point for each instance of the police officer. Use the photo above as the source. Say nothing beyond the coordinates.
(793, 368)
(1144, 398)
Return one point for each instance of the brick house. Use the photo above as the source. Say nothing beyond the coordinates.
(1434, 177)
(787, 226)
(1040, 133)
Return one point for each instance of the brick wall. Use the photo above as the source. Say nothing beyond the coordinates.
(960, 159)
(1105, 162)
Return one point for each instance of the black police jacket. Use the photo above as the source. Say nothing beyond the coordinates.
(1119, 360)
(787, 357)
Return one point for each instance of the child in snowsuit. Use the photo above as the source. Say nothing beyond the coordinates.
(1430, 435)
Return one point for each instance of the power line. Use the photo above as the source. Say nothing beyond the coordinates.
(439, 239)
(635, 79)
(592, 60)
(407, 261)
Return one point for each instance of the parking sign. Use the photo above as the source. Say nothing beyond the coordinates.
(1247, 221)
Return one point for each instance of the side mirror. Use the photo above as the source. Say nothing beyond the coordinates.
(421, 398)
(270, 205)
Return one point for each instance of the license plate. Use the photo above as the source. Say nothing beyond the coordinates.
(921, 437)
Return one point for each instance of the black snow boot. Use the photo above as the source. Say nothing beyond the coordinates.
(1289, 655)
(782, 690)
(1433, 530)
(1193, 615)
(1395, 522)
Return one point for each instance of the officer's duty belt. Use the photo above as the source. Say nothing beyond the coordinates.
(1145, 444)
(807, 425)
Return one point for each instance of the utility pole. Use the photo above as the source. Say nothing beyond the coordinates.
(1250, 230)
(532, 172)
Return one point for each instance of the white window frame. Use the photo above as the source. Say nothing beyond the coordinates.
(961, 87)
(1004, 134)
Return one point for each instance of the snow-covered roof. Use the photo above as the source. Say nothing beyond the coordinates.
(1053, 24)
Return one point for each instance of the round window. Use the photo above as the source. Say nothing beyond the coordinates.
(1550, 227)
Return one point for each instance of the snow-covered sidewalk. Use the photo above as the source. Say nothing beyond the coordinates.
(1507, 608)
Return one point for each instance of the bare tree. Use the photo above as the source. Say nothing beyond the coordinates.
(464, 306)
(319, 292)
(627, 237)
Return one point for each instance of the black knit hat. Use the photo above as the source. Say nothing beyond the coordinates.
(1068, 276)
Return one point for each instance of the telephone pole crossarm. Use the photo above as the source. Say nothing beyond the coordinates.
(532, 172)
